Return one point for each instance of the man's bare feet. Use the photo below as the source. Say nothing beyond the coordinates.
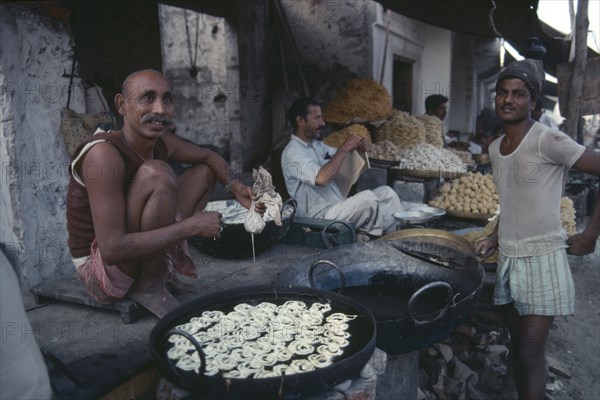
(156, 298)
(179, 287)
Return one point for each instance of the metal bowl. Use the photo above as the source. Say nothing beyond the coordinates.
(235, 242)
(436, 212)
(291, 386)
(413, 217)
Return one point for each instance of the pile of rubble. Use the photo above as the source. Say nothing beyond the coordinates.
(472, 364)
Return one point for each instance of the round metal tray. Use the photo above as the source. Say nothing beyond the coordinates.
(413, 217)
(432, 236)
(436, 212)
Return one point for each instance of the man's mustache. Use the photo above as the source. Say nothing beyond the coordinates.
(157, 118)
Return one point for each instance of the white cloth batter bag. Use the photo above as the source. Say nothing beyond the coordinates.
(265, 193)
(254, 222)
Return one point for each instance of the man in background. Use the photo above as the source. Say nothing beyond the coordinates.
(538, 114)
(484, 140)
(436, 105)
(310, 168)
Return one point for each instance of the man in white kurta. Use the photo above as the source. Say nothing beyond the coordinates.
(310, 167)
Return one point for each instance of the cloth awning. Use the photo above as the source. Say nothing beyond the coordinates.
(514, 20)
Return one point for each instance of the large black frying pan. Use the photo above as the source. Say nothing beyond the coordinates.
(236, 243)
(414, 302)
(356, 355)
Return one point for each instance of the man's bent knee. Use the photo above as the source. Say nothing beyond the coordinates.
(202, 174)
(367, 203)
(157, 173)
(368, 197)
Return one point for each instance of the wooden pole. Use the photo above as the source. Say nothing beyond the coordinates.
(572, 34)
(577, 79)
(385, 46)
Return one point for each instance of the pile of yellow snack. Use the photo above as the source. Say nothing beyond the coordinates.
(402, 129)
(359, 100)
(567, 216)
(336, 139)
(364, 100)
(433, 129)
(474, 236)
(471, 193)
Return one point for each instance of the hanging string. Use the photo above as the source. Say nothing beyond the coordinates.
(492, 19)
(193, 69)
(385, 46)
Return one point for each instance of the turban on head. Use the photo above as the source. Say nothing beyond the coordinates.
(529, 71)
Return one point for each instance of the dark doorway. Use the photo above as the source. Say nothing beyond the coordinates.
(402, 84)
(113, 39)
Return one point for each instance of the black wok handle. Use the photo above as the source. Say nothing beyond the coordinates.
(338, 269)
(420, 292)
(294, 204)
(326, 242)
(194, 343)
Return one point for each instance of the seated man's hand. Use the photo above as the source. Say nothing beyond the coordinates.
(260, 208)
(351, 143)
(208, 224)
(364, 145)
(243, 194)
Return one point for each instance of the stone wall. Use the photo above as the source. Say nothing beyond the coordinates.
(206, 105)
(255, 94)
(35, 52)
(330, 34)
(463, 85)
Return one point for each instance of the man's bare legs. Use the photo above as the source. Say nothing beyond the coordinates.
(195, 187)
(529, 333)
(153, 200)
(151, 204)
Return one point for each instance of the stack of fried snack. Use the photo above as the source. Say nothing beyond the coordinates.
(402, 129)
(479, 234)
(567, 216)
(386, 150)
(433, 129)
(567, 221)
(471, 193)
(336, 139)
(359, 100)
(426, 157)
